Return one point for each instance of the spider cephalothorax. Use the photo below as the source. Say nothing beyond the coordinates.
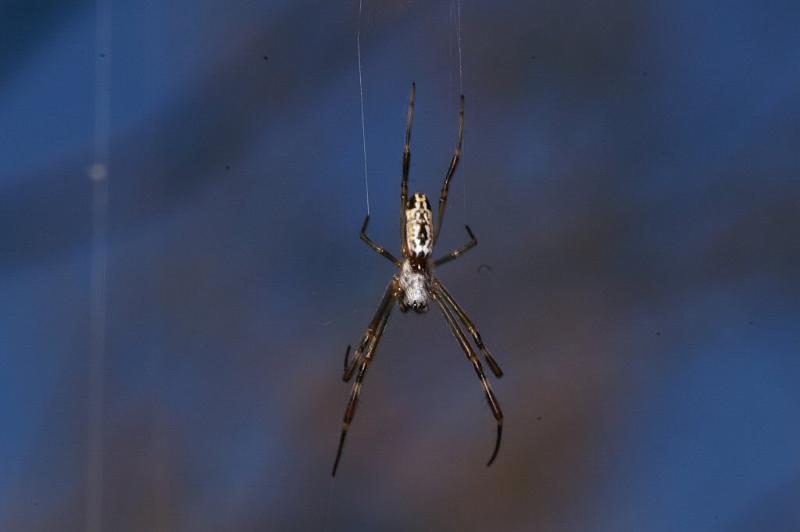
(414, 286)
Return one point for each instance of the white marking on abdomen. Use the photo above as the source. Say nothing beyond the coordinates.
(413, 285)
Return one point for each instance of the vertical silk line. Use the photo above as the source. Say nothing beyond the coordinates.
(458, 37)
(361, 89)
(98, 173)
(461, 92)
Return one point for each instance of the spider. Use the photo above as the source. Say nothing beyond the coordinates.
(415, 285)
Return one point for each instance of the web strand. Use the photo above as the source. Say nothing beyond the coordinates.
(361, 90)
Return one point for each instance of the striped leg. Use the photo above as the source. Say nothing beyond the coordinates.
(471, 328)
(451, 170)
(362, 358)
(462, 340)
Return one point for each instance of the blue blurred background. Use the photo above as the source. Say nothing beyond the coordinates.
(631, 170)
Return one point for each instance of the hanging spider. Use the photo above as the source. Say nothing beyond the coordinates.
(415, 284)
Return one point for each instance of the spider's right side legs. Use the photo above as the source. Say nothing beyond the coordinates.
(378, 249)
(476, 364)
(458, 251)
(473, 330)
(406, 165)
(450, 170)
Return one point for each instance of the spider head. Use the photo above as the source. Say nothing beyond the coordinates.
(419, 308)
(419, 226)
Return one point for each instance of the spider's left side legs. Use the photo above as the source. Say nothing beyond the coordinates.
(375, 247)
(362, 358)
(462, 340)
(450, 171)
(458, 251)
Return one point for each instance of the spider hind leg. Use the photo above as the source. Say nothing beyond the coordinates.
(476, 364)
(362, 358)
(473, 330)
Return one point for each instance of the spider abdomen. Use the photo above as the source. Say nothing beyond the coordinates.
(419, 227)
(414, 289)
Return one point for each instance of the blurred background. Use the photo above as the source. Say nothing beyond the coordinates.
(171, 359)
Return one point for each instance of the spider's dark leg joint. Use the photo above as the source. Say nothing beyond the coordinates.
(458, 251)
(375, 247)
(497, 442)
(346, 356)
(339, 451)
(494, 406)
(351, 367)
(349, 413)
(493, 365)
(471, 235)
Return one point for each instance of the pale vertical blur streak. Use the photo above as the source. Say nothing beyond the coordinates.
(99, 173)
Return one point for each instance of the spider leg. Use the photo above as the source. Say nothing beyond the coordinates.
(370, 344)
(462, 340)
(367, 340)
(473, 330)
(406, 165)
(346, 356)
(378, 249)
(382, 318)
(451, 170)
(459, 251)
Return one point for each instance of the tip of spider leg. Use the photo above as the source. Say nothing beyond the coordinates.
(495, 367)
(469, 232)
(346, 356)
(496, 444)
(339, 452)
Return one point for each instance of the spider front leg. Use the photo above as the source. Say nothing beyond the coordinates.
(378, 249)
(363, 355)
(462, 340)
(451, 170)
(459, 251)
